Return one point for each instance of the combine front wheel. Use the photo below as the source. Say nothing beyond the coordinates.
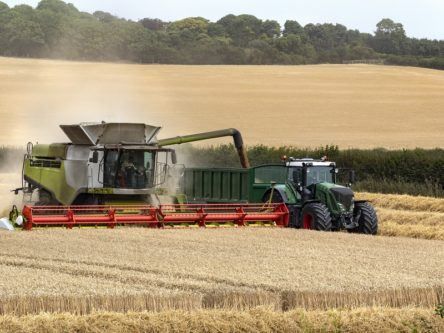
(367, 218)
(316, 216)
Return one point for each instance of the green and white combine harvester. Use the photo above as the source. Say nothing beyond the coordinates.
(113, 174)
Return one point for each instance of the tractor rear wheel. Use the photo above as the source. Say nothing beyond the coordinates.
(367, 218)
(315, 216)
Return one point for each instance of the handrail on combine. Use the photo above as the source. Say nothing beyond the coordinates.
(169, 215)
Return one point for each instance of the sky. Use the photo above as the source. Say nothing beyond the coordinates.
(421, 18)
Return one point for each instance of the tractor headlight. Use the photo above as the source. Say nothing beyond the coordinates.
(341, 207)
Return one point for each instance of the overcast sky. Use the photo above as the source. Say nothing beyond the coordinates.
(421, 18)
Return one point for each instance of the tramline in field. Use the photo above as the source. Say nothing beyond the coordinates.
(120, 174)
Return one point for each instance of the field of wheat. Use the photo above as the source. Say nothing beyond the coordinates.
(250, 321)
(81, 271)
(408, 216)
(198, 280)
(276, 105)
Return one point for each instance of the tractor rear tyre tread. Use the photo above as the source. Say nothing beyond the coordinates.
(320, 216)
(368, 221)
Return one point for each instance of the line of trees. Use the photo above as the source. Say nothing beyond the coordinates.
(55, 29)
(407, 171)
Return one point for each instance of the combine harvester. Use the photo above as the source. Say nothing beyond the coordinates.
(120, 174)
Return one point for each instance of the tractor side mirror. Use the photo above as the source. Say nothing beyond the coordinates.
(299, 187)
(351, 176)
(95, 157)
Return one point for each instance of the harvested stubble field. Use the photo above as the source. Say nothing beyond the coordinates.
(408, 216)
(372, 106)
(222, 321)
(81, 271)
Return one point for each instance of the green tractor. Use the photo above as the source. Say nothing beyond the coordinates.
(308, 187)
(316, 201)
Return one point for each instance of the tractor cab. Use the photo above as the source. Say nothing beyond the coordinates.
(307, 172)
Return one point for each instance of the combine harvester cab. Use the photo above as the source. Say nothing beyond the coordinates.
(119, 174)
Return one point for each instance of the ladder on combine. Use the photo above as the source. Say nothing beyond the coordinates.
(164, 216)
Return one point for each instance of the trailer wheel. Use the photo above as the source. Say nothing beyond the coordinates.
(367, 218)
(275, 198)
(315, 216)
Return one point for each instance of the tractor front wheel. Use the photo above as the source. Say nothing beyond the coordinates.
(367, 218)
(315, 216)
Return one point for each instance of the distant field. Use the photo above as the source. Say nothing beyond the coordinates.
(348, 105)
(79, 271)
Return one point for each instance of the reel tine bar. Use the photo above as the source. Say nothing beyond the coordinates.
(220, 214)
(156, 217)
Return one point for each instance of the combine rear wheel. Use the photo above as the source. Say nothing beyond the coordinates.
(316, 216)
(367, 218)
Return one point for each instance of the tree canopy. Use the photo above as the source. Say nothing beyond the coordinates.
(55, 29)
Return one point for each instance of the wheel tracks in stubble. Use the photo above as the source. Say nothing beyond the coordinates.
(141, 281)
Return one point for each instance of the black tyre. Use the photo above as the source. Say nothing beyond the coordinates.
(316, 216)
(45, 198)
(367, 218)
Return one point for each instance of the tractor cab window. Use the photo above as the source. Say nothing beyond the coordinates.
(131, 169)
(319, 174)
(295, 175)
(315, 174)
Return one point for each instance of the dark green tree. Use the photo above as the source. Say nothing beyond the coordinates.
(241, 29)
(153, 24)
(292, 28)
(271, 28)
(389, 37)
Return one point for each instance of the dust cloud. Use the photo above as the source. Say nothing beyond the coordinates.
(36, 96)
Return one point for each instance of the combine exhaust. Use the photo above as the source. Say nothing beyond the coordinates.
(164, 216)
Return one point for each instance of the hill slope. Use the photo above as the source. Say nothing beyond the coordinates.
(349, 105)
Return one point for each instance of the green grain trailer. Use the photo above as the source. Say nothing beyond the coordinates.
(308, 188)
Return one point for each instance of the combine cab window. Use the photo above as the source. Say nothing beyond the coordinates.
(132, 169)
(110, 168)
